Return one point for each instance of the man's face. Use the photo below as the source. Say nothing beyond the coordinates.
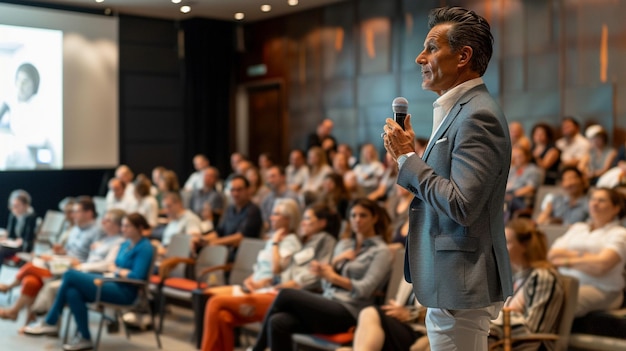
(117, 188)
(239, 192)
(572, 183)
(274, 178)
(210, 178)
(439, 64)
(200, 163)
(171, 207)
(79, 215)
(296, 159)
(568, 128)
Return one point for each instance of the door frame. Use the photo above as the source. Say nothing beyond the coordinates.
(241, 126)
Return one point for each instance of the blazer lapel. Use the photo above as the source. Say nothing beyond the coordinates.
(447, 122)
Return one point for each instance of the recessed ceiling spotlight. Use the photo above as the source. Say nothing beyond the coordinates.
(239, 16)
(176, 1)
(292, 2)
(266, 8)
(185, 9)
(99, 0)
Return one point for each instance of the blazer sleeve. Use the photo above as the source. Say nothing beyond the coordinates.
(479, 145)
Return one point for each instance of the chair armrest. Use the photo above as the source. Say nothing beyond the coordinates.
(224, 267)
(99, 282)
(168, 264)
(525, 338)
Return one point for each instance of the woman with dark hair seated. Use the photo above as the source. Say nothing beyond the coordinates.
(21, 226)
(133, 262)
(360, 266)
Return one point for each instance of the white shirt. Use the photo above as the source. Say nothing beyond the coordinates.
(579, 238)
(187, 222)
(195, 180)
(575, 149)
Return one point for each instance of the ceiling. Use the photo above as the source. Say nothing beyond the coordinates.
(216, 9)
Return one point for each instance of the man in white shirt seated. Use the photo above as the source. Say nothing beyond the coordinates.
(181, 220)
(195, 180)
(297, 171)
(116, 197)
(573, 145)
(126, 176)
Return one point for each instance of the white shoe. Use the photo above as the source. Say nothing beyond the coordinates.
(41, 328)
(78, 344)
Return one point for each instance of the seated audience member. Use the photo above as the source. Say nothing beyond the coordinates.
(387, 184)
(282, 263)
(21, 226)
(573, 145)
(145, 203)
(235, 158)
(614, 177)
(242, 217)
(369, 170)
(524, 180)
(101, 256)
(155, 177)
(545, 154)
(318, 169)
(181, 220)
(346, 150)
(208, 193)
(168, 182)
(595, 253)
(393, 326)
(265, 161)
(599, 157)
(65, 205)
(335, 195)
(341, 167)
(570, 207)
(518, 136)
(116, 197)
(200, 163)
(297, 171)
(124, 174)
(398, 209)
(258, 190)
(359, 267)
(133, 261)
(538, 294)
(321, 135)
(277, 183)
(84, 233)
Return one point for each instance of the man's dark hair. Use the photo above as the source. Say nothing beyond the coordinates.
(571, 119)
(245, 180)
(32, 72)
(468, 29)
(86, 204)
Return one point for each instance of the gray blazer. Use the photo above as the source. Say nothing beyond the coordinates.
(456, 249)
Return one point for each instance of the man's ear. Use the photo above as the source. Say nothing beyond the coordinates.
(465, 55)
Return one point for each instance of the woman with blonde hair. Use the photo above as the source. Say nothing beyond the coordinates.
(318, 169)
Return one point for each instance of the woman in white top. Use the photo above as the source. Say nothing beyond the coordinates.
(595, 253)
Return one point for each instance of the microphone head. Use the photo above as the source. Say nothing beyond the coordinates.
(400, 105)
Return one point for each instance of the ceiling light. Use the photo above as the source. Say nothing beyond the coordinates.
(176, 1)
(266, 8)
(292, 2)
(99, 0)
(185, 9)
(239, 16)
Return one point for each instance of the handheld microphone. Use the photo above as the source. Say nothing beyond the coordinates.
(400, 107)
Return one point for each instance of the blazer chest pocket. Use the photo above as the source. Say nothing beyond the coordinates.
(456, 243)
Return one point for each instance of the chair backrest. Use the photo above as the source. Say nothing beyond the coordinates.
(52, 224)
(397, 274)
(570, 299)
(180, 246)
(211, 256)
(100, 202)
(246, 258)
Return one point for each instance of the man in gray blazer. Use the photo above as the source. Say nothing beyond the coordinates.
(456, 258)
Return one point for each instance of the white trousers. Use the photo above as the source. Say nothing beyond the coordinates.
(460, 330)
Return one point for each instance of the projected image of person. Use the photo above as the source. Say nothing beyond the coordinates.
(29, 147)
